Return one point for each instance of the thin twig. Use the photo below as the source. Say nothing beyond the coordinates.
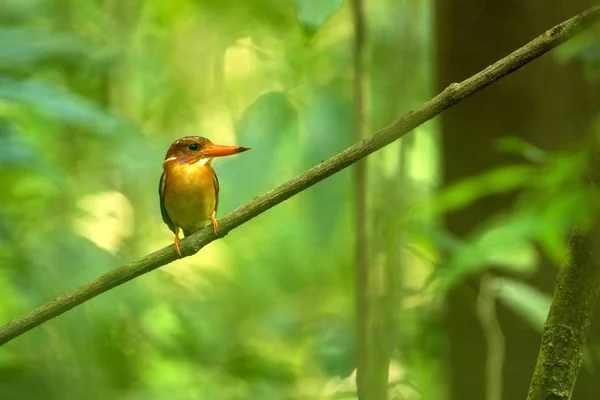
(453, 94)
(486, 311)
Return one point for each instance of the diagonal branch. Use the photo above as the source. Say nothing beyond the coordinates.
(453, 94)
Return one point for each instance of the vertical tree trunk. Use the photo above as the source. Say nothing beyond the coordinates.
(364, 373)
(545, 103)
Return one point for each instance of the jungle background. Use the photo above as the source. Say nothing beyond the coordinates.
(468, 216)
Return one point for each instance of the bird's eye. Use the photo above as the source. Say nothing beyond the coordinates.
(194, 147)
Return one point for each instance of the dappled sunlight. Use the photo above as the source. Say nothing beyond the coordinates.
(190, 272)
(93, 93)
(107, 219)
(248, 73)
(345, 388)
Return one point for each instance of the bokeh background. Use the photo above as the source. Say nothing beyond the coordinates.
(468, 216)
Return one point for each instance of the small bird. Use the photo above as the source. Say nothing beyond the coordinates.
(189, 188)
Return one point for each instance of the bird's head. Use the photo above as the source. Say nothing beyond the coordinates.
(193, 149)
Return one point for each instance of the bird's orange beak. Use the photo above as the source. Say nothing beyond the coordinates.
(218, 150)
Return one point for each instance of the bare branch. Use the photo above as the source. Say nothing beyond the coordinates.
(192, 244)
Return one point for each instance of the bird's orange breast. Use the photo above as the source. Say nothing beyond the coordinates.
(190, 194)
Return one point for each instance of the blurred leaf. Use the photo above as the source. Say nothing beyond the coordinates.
(312, 14)
(507, 243)
(66, 107)
(17, 151)
(243, 18)
(525, 300)
(496, 181)
(61, 262)
(328, 129)
(516, 145)
(22, 49)
(267, 125)
(162, 324)
(555, 197)
(335, 348)
(116, 347)
(13, 303)
(14, 149)
(251, 361)
(268, 121)
(583, 49)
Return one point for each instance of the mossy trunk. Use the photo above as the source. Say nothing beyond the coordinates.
(569, 320)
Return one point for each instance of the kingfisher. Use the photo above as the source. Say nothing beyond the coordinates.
(189, 188)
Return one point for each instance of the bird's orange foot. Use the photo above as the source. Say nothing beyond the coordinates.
(214, 223)
(177, 249)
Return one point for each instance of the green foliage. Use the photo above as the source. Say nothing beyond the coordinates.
(554, 197)
(15, 151)
(23, 50)
(312, 14)
(268, 125)
(524, 300)
(583, 49)
(91, 95)
(60, 105)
